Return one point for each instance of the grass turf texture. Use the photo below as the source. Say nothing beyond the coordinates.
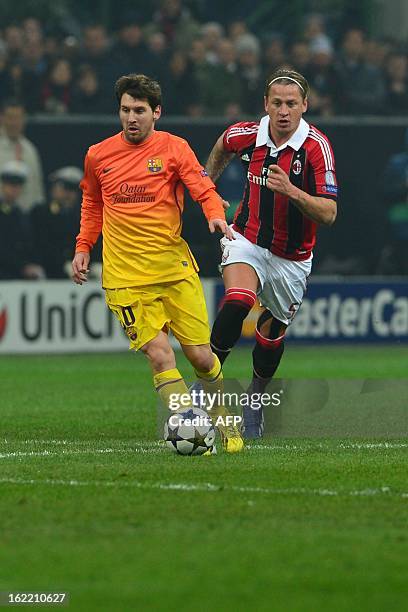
(91, 504)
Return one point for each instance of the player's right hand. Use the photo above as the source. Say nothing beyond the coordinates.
(221, 226)
(80, 268)
(225, 204)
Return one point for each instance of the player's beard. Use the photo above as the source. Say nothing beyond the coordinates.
(137, 136)
(134, 137)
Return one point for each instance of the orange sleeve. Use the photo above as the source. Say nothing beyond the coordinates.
(91, 209)
(198, 183)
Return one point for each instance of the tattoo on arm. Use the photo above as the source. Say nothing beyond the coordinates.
(218, 160)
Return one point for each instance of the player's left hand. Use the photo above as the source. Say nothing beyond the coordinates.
(221, 226)
(278, 180)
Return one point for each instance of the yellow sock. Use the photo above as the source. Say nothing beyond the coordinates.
(172, 390)
(212, 382)
(214, 376)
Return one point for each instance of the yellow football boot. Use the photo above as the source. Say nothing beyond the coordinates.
(231, 438)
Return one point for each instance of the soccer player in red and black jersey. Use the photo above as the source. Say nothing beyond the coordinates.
(290, 189)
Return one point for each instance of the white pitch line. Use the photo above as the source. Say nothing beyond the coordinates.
(157, 447)
(130, 444)
(88, 451)
(374, 445)
(342, 445)
(206, 487)
(158, 444)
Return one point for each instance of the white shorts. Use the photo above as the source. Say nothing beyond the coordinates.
(282, 281)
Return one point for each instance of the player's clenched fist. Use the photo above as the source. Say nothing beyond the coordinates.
(278, 180)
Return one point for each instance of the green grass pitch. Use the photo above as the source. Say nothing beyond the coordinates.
(92, 504)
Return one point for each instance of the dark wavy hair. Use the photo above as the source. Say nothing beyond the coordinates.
(140, 87)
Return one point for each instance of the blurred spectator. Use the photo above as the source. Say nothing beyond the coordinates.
(87, 96)
(322, 80)
(97, 53)
(232, 111)
(4, 73)
(53, 46)
(34, 66)
(53, 225)
(252, 79)
(57, 88)
(34, 59)
(130, 50)
(32, 30)
(23, 85)
(397, 84)
(222, 85)
(394, 256)
(15, 146)
(274, 55)
(198, 60)
(236, 29)
(174, 20)
(300, 56)
(14, 39)
(212, 34)
(361, 85)
(14, 252)
(180, 87)
(71, 50)
(315, 32)
(376, 51)
(157, 45)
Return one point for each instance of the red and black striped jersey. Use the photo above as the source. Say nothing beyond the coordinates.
(269, 219)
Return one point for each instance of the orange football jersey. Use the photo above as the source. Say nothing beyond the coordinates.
(134, 194)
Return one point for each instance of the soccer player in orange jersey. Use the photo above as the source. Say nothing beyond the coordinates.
(133, 190)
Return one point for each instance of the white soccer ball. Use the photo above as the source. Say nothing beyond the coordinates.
(189, 432)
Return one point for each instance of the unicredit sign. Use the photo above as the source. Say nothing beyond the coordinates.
(60, 317)
(56, 320)
(56, 316)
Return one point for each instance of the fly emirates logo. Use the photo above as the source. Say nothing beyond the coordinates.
(132, 194)
(258, 180)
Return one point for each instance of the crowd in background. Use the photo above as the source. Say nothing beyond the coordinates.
(36, 242)
(206, 69)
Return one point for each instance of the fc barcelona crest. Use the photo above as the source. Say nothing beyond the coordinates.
(155, 164)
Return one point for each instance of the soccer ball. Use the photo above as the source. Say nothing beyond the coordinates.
(190, 432)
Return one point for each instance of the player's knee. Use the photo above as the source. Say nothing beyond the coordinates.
(239, 299)
(228, 324)
(162, 359)
(160, 355)
(270, 328)
(269, 345)
(201, 358)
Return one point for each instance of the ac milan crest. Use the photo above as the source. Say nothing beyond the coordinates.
(297, 166)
